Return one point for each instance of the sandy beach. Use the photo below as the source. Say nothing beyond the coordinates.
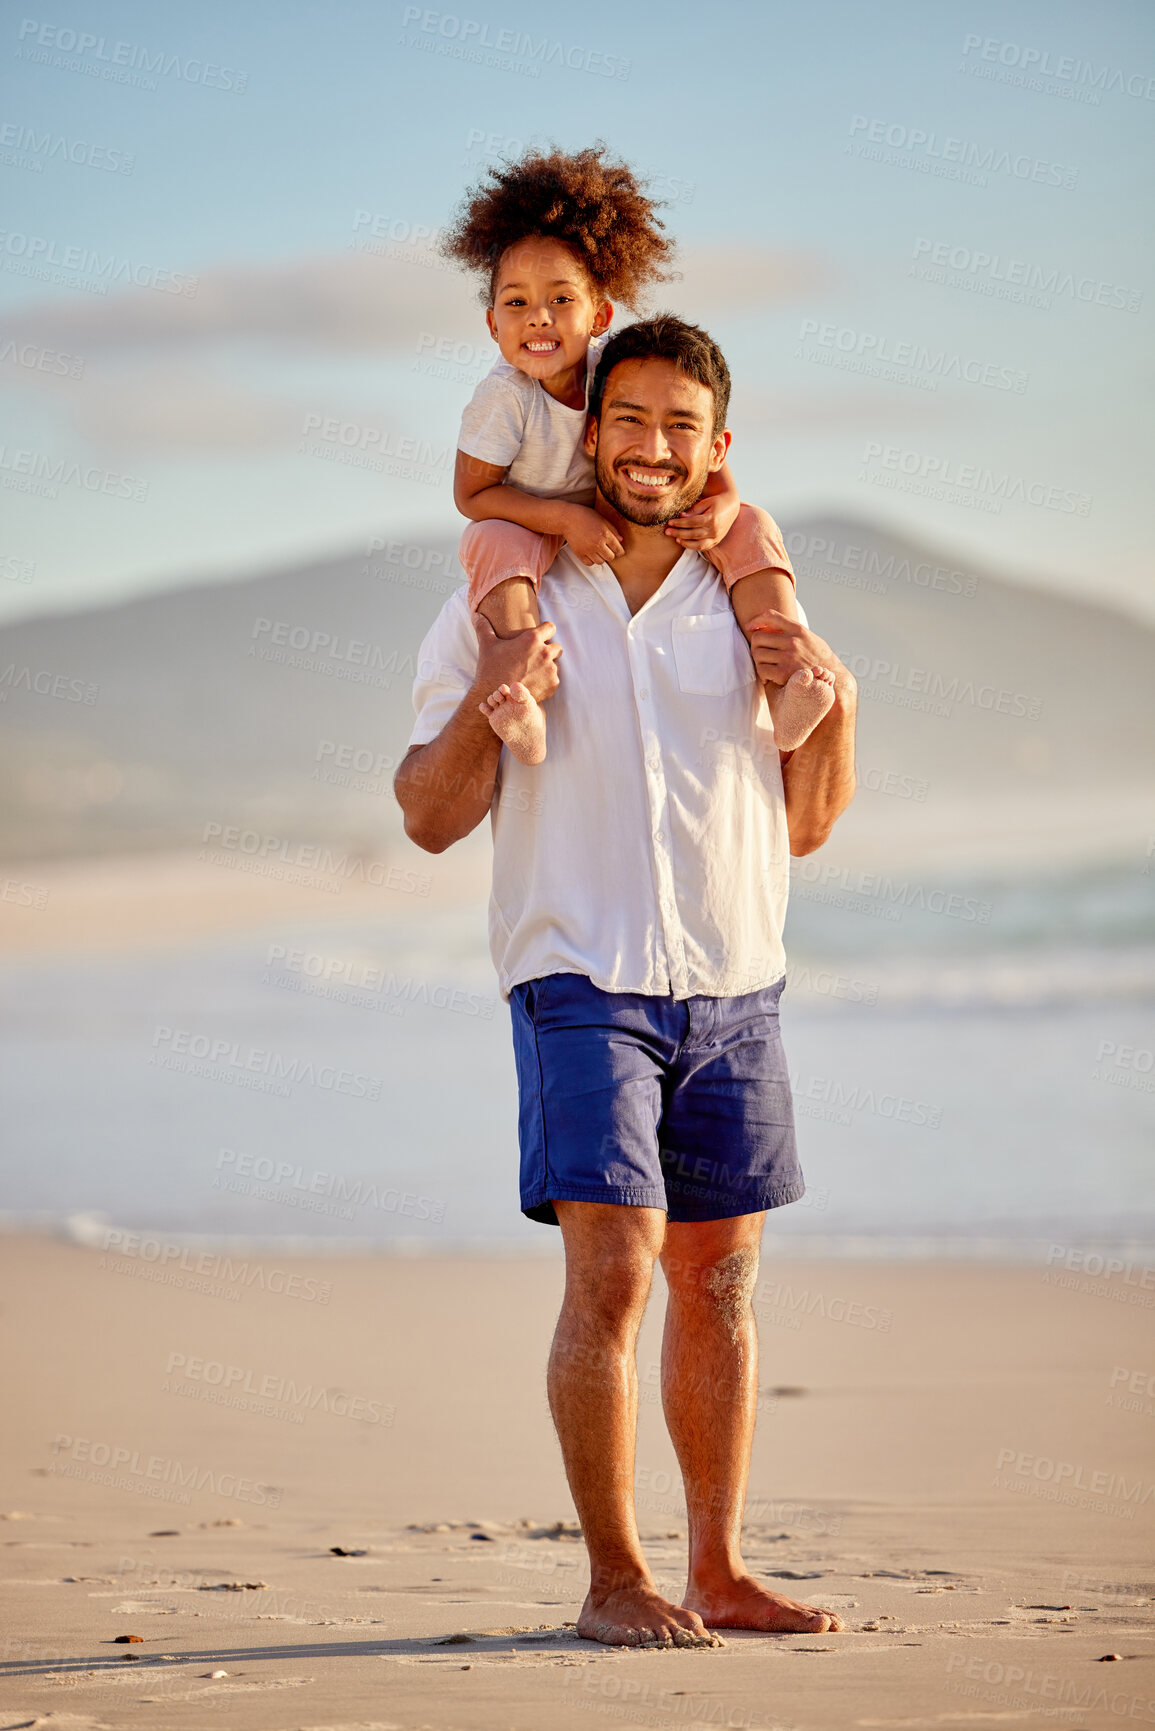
(956, 1457)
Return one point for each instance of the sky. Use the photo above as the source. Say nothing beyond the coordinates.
(920, 231)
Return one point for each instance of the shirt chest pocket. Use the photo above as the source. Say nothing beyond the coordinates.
(711, 655)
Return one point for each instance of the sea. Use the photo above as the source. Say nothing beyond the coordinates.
(973, 1077)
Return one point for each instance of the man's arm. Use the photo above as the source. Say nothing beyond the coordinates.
(818, 778)
(445, 788)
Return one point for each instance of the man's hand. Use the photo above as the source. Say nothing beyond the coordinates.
(781, 646)
(703, 525)
(591, 537)
(529, 657)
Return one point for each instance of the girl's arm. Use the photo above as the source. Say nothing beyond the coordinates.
(480, 492)
(705, 523)
(720, 485)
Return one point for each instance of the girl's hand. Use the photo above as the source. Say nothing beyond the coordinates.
(591, 537)
(704, 524)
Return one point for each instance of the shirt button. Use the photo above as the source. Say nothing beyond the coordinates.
(644, 694)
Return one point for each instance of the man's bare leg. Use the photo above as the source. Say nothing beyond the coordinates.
(514, 715)
(797, 706)
(709, 1394)
(593, 1395)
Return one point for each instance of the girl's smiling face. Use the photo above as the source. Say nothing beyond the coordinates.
(544, 313)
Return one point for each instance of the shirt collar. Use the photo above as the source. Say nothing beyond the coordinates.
(687, 569)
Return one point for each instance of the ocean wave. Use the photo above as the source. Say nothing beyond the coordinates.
(1008, 979)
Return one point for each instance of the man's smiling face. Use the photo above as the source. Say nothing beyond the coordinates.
(654, 444)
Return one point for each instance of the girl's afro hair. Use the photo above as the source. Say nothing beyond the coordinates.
(594, 205)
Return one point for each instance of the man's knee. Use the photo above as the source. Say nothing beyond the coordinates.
(724, 1282)
(730, 1282)
(610, 1253)
(614, 1289)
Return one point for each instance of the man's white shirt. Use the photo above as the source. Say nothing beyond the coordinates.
(649, 851)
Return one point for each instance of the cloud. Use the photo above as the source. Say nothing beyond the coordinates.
(361, 301)
(172, 407)
(349, 302)
(722, 279)
(161, 372)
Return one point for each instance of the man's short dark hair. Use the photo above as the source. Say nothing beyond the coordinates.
(666, 337)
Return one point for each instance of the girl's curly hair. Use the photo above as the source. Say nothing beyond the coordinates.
(594, 205)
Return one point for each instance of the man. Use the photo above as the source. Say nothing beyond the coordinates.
(639, 890)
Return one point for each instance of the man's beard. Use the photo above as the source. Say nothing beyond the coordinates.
(647, 513)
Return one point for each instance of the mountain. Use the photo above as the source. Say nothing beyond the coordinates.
(280, 703)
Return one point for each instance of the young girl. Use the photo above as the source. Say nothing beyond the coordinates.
(556, 239)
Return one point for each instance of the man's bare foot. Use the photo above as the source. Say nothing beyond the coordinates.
(640, 1617)
(744, 1603)
(797, 707)
(517, 719)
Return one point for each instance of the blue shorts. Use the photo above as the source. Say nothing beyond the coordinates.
(652, 1102)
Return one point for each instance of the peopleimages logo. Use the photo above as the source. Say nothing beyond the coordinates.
(1100, 1481)
(1023, 1689)
(898, 895)
(1041, 63)
(25, 471)
(45, 683)
(224, 1384)
(822, 556)
(852, 1311)
(909, 362)
(103, 58)
(375, 982)
(471, 35)
(159, 1476)
(37, 148)
(844, 1098)
(281, 1181)
(926, 687)
(41, 360)
(228, 844)
(963, 483)
(105, 270)
(932, 151)
(220, 1059)
(992, 273)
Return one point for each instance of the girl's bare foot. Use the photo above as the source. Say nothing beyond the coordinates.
(744, 1603)
(797, 707)
(518, 721)
(638, 1616)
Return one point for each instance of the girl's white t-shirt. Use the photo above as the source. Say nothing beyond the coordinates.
(511, 422)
